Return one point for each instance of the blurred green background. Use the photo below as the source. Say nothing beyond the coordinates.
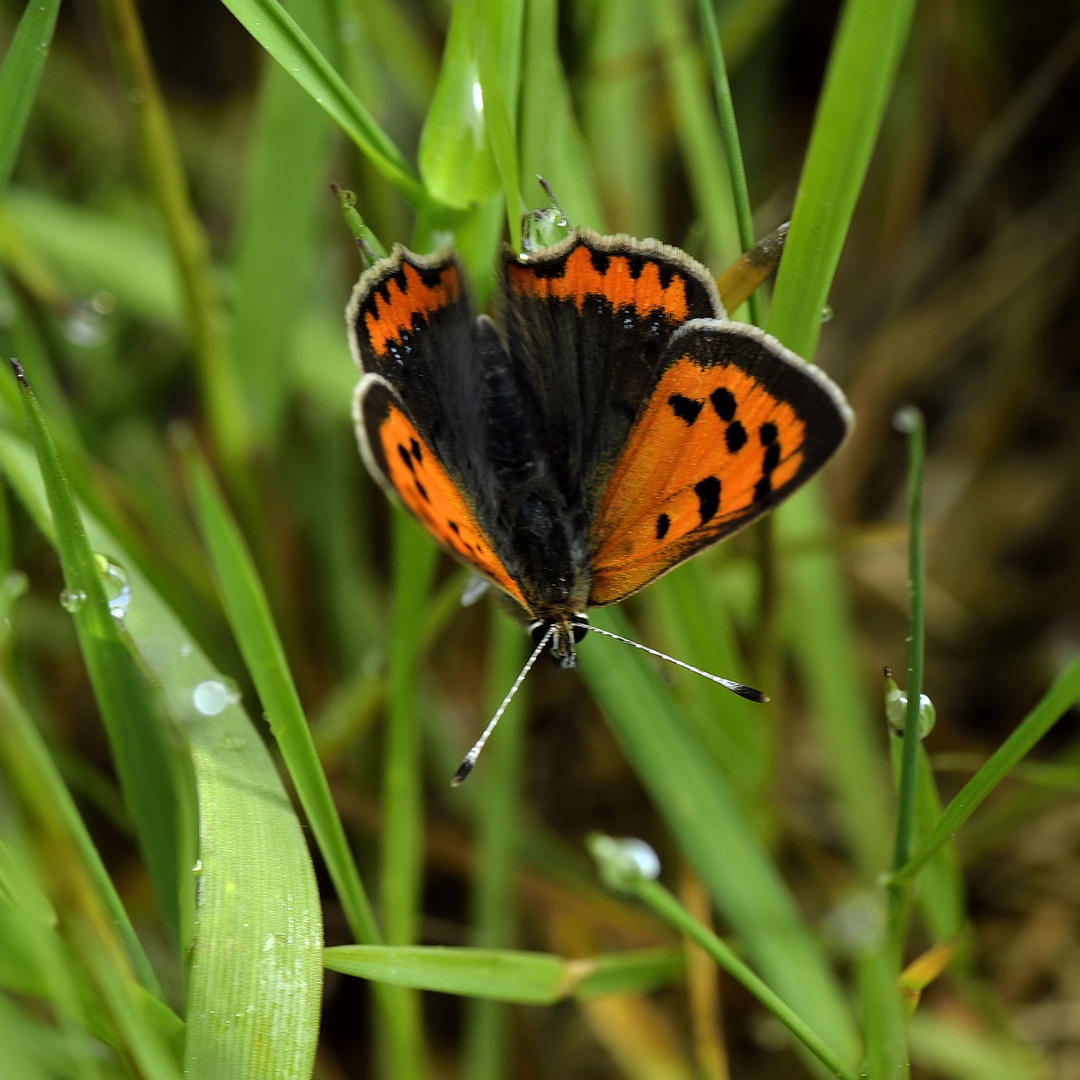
(956, 292)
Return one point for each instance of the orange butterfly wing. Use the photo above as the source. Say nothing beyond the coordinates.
(733, 424)
(397, 454)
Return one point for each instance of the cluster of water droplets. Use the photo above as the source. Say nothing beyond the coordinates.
(114, 581)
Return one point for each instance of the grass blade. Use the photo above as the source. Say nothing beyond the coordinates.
(701, 811)
(24, 753)
(455, 156)
(256, 953)
(627, 877)
(278, 33)
(132, 718)
(402, 835)
(868, 44)
(548, 132)
(19, 77)
(494, 909)
(250, 618)
(866, 52)
(276, 245)
(528, 978)
(1061, 696)
(225, 407)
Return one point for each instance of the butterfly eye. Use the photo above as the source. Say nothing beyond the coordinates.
(538, 630)
(580, 624)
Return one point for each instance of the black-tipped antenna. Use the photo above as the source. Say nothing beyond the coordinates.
(466, 766)
(747, 692)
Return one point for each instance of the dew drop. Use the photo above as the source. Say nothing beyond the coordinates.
(197, 868)
(83, 327)
(826, 314)
(211, 697)
(72, 600)
(117, 587)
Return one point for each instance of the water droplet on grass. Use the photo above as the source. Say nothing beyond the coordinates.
(117, 587)
(72, 600)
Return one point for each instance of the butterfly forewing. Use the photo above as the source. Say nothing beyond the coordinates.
(733, 423)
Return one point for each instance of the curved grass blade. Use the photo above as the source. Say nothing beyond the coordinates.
(256, 955)
(278, 33)
(250, 618)
(20, 75)
(528, 978)
(137, 737)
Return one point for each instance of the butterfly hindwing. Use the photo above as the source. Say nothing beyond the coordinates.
(397, 454)
(732, 424)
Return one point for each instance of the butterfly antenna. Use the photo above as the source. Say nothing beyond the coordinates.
(466, 766)
(747, 692)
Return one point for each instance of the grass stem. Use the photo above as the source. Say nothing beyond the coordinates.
(664, 904)
(729, 137)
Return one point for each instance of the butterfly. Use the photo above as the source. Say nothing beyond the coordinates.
(608, 424)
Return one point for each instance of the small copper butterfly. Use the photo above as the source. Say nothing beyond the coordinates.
(609, 423)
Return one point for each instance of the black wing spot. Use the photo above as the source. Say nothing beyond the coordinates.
(454, 525)
(667, 273)
(772, 457)
(708, 493)
(430, 276)
(723, 401)
(416, 451)
(763, 488)
(767, 433)
(685, 408)
(405, 457)
(635, 263)
(423, 492)
(600, 260)
(663, 523)
(735, 437)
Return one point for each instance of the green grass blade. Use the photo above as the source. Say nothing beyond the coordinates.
(455, 156)
(621, 874)
(494, 910)
(1061, 696)
(252, 622)
(865, 54)
(278, 33)
(19, 77)
(93, 251)
(489, 52)
(287, 166)
(256, 954)
(867, 49)
(223, 402)
(402, 835)
(729, 136)
(697, 132)
(699, 631)
(132, 718)
(528, 978)
(548, 132)
(701, 811)
(24, 753)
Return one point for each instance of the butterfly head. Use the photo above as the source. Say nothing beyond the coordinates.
(563, 634)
